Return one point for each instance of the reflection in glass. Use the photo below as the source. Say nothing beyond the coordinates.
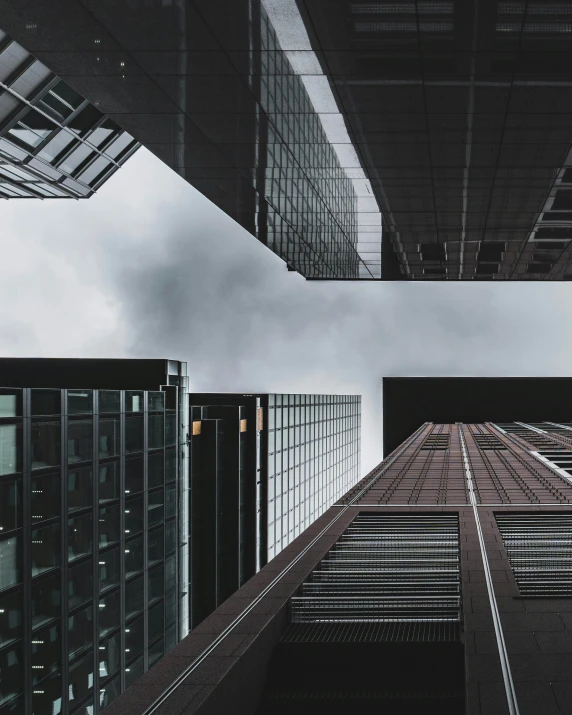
(80, 631)
(155, 469)
(109, 691)
(45, 497)
(133, 516)
(45, 548)
(156, 621)
(155, 514)
(80, 488)
(10, 449)
(155, 583)
(170, 465)
(109, 401)
(80, 441)
(10, 618)
(46, 402)
(11, 403)
(133, 434)
(110, 656)
(133, 557)
(155, 548)
(46, 652)
(48, 698)
(109, 572)
(171, 605)
(156, 401)
(133, 475)
(12, 669)
(171, 500)
(80, 584)
(156, 432)
(133, 671)
(134, 639)
(80, 536)
(108, 481)
(170, 536)
(170, 428)
(46, 438)
(133, 402)
(80, 401)
(109, 613)
(156, 651)
(133, 597)
(10, 504)
(108, 525)
(80, 679)
(108, 437)
(45, 599)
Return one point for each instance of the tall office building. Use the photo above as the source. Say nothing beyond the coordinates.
(262, 469)
(53, 142)
(439, 583)
(93, 528)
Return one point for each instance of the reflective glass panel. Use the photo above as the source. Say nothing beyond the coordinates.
(80, 536)
(170, 465)
(45, 548)
(156, 401)
(10, 449)
(156, 621)
(134, 597)
(80, 631)
(110, 656)
(133, 434)
(134, 557)
(170, 428)
(46, 441)
(46, 402)
(108, 437)
(45, 496)
(10, 504)
(133, 402)
(80, 679)
(155, 515)
(155, 469)
(133, 671)
(48, 698)
(156, 436)
(10, 618)
(80, 584)
(109, 691)
(109, 401)
(11, 403)
(12, 670)
(109, 569)
(46, 652)
(134, 639)
(133, 475)
(108, 525)
(109, 613)
(80, 441)
(133, 516)
(156, 651)
(155, 546)
(108, 481)
(80, 401)
(155, 583)
(80, 488)
(45, 599)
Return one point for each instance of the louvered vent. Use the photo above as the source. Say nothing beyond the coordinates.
(387, 569)
(488, 441)
(539, 548)
(436, 441)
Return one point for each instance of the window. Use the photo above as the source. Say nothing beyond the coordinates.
(80, 441)
(108, 481)
(46, 599)
(134, 557)
(110, 656)
(109, 569)
(109, 613)
(156, 401)
(155, 546)
(133, 516)
(80, 584)
(80, 488)
(46, 652)
(80, 632)
(10, 618)
(134, 597)
(133, 434)
(80, 401)
(80, 679)
(133, 475)
(10, 505)
(108, 525)
(80, 536)
(12, 669)
(156, 468)
(108, 437)
(156, 431)
(133, 402)
(11, 403)
(46, 443)
(45, 548)
(109, 401)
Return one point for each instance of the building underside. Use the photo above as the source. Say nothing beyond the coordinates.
(457, 114)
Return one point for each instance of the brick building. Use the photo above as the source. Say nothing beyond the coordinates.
(442, 581)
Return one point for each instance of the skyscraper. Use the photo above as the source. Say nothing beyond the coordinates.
(441, 582)
(93, 525)
(262, 469)
(53, 142)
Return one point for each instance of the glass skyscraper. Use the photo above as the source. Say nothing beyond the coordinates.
(92, 538)
(53, 142)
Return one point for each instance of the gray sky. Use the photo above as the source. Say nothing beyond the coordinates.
(150, 268)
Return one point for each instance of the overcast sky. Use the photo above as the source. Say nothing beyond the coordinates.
(150, 268)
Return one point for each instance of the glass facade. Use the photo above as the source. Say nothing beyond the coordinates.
(53, 143)
(313, 459)
(89, 592)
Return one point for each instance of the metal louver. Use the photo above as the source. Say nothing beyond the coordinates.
(487, 442)
(436, 441)
(386, 569)
(539, 548)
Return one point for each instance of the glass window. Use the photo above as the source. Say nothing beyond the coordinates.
(133, 434)
(156, 621)
(156, 401)
(104, 133)
(170, 465)
(134, 639)
(109, 401)
(46, 652)
(48, 698)
(171, 500)
(156, 651)
(45, 496)
(76, 158)
(133, 516)
(80, 536)
(45, 548)
(80, 631)
(46, 450)
(108, 525)
(11, 403)
(80, 441)
(10, 504)
(45, 600)
(133, 475)
(108, 437)
(155, 547)
(80, 584)
(109, 691)
(85, 120)
(56, 146)
(109, 569)
(10, 618)
(46, 402)
(156, 435)
(32, 129)
(80, 401)
(12, 669)
(155, 469)
(170, 536)
(155, 583)
(133, 557)
(67, 94)
(133, 671)
(95, 171)
(170, 571)
(109, 613)
(133, 597)
(133, 402)
(155, 509)
(110, 656)
(171, 606)
(170, 428)
(119, 145)
(80, 488)
(108, 481)
(80, 679)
